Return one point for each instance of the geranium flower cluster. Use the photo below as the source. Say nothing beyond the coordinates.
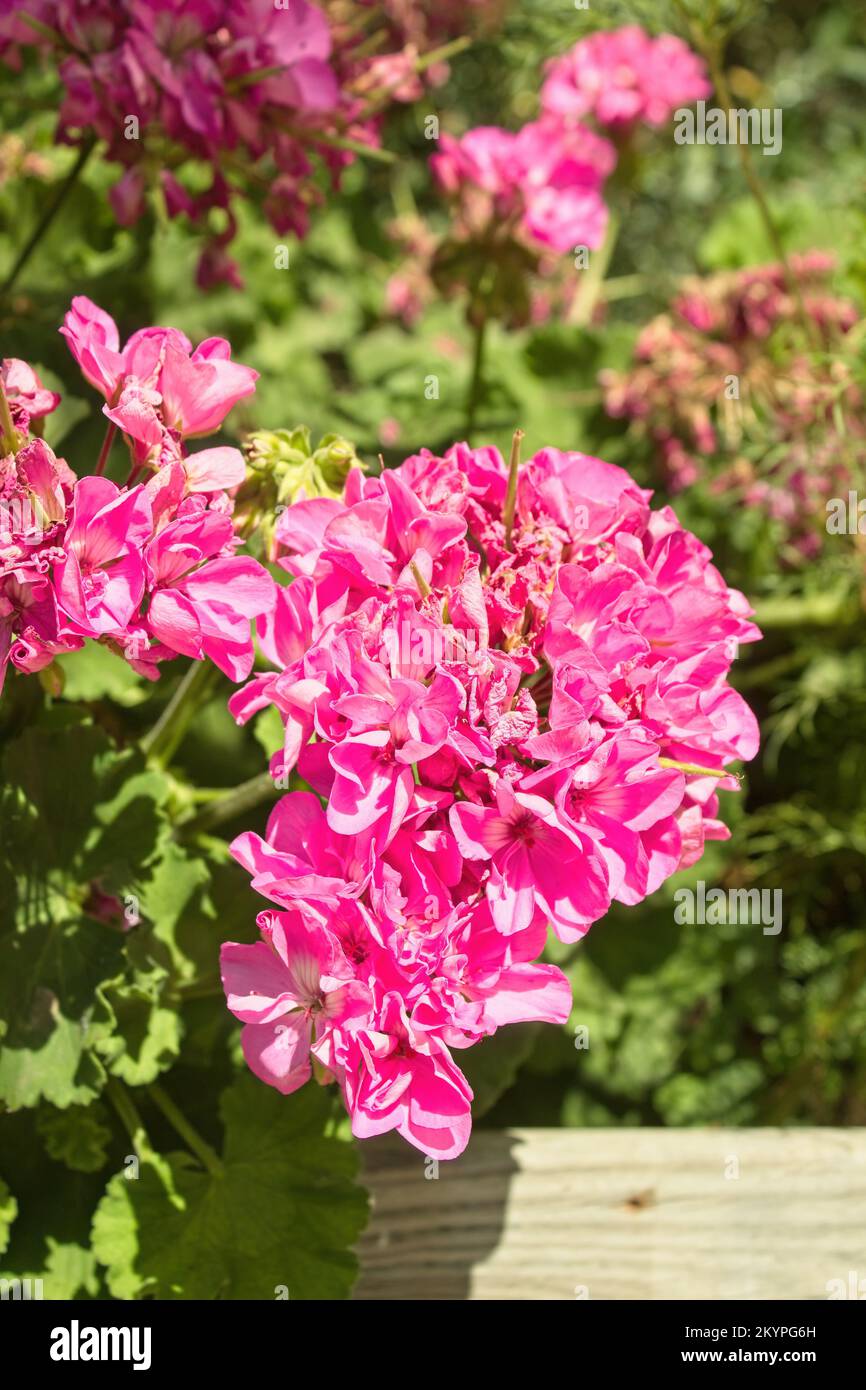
(260, 91)
(506, 691)
(523, 199)
(149, 568)
(622, 77)
(729, 384)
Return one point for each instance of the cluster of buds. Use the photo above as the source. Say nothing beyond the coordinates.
(746, 383)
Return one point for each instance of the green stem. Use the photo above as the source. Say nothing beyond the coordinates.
(134, 1126)
(442, 54)
(836, 608)
(207, 1156)
(476, 380)
(51, 210)
(234, 803)
(47, 32)
(591, 286)
(129, 1117)
(712, 53)
(162, 741)
(423, 587)
(345, 142)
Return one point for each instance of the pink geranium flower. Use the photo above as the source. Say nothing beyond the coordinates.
(506, 718)
(397, 1075)
(100, 580)
(538, 863)
(622, 76)
(287, 990)
(150, 568)
(202, 599)
(194, 388)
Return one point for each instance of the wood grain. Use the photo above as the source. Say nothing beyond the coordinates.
(623, 1214)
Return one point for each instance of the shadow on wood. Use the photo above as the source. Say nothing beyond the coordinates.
(429, 1233)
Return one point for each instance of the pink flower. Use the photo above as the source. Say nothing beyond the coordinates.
(617, 791)
(538, 863)
(202, 601)
(545, 180)
(489, 979)
(397, 1075)
(622, 76)
(94, 342)
(389, 729)
(100, 581)
(499, 725)
(151, 567)
(287, 990)
(254, 92)
(157, 382)
(28, 398)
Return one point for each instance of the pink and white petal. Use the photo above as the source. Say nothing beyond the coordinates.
(278, 1053)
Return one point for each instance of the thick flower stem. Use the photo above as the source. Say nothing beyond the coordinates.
(162, 741)
(591, 287)
(51, 210)
(233, 803)
(207, 1156)
(476, 380)
(129, 1117)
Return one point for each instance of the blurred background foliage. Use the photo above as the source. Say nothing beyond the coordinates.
(686, 1024)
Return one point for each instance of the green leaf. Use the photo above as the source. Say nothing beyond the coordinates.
(68, 1269)
(97, 673)
(81, 823)
(280, 1214)
(49, 1012)
(146, 1038)
(8, 1213)
(78, 1137)
(50, 1236)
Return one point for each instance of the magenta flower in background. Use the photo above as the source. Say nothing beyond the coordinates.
(543, 180)
(263, 95)
(622, 77)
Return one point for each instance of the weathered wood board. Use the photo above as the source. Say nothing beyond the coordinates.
(622, 1214)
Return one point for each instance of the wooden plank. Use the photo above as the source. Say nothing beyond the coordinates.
(622, 1214)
